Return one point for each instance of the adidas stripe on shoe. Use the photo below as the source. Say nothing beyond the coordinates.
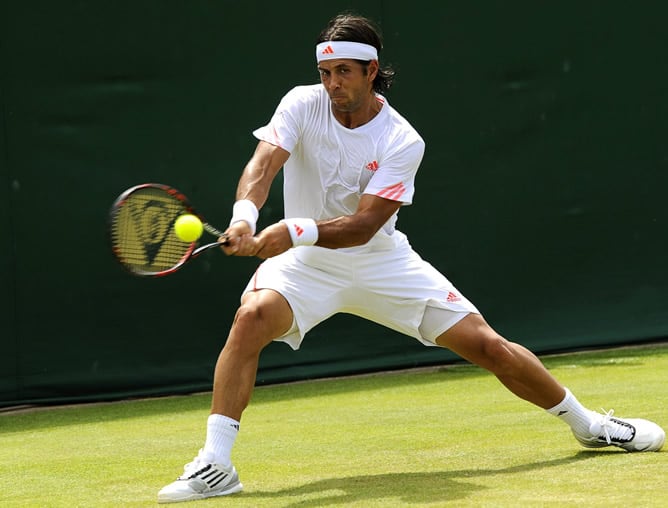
(631, 434)
(201, 480)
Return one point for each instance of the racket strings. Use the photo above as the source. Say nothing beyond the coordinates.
(142, 231)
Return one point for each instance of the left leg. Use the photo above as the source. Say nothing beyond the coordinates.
(524, 375)
(514, 365)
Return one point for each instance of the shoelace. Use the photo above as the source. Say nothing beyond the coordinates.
(192, 468)
(611, 429)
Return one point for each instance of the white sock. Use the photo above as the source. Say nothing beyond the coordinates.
(573, 413)
(221, 432)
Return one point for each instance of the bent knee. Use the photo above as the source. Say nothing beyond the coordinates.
(246, 335)
(261, 320)
(248, 315)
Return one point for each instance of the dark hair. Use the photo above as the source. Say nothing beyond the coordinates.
(354, 28)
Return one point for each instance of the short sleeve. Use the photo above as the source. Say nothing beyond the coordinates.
(284, 129)
(395, 177)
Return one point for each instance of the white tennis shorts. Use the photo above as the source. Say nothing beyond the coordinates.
(384, 281)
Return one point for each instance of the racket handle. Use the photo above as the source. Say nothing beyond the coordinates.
(208, 246)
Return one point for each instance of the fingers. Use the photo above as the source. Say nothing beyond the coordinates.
(273, 241)
(240, 245)
(231, 241)
(270, 242)
(247, 246)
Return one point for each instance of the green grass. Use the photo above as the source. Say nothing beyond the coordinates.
(439, 437)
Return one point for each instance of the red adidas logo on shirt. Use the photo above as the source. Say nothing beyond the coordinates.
(372, 166)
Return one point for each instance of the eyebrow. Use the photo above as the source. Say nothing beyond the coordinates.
(338, 66)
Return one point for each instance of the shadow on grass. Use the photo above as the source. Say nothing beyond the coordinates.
(405, 488)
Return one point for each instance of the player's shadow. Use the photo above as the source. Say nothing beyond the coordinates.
(402, 488)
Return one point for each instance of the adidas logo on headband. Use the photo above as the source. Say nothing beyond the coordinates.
(330, 50)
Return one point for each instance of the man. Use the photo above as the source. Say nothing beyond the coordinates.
(349, 164)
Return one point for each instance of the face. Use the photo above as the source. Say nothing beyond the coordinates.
(347, 83)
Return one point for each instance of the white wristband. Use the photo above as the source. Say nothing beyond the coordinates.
(302, 231)
(245, 210)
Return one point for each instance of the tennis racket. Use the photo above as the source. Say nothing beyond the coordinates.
(141, 228)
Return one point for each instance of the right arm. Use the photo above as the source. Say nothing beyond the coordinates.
(260, 172)
(254, 185)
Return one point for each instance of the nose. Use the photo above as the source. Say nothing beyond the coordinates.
(334, 82)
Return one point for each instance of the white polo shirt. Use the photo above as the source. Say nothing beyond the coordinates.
(331, 166)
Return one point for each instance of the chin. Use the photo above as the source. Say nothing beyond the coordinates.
(342, 107)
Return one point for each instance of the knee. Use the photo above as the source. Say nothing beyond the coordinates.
(474, 340)
(497, 355)
(262, 317)
(247, 316)
(247, 332)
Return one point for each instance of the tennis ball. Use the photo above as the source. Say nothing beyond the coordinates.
(188, 228)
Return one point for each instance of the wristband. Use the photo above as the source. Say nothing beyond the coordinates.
(245, 210)
(302, 231)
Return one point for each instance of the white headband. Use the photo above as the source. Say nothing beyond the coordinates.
(329, 50)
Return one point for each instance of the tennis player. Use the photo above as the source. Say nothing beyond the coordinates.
(349, 162)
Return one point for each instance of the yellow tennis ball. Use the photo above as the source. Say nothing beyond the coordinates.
(188, 228)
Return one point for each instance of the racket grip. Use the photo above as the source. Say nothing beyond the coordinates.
(206, 247)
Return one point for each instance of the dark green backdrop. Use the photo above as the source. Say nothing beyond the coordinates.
(541, 195)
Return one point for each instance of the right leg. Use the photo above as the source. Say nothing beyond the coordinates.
(263, 316)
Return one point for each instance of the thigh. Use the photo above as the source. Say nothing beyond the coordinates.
(474, 340)
(404, 292)
(313, 293)
(264, 314)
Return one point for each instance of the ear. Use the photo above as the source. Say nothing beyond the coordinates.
(372, 70)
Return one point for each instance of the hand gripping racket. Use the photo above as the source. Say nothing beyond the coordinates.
(141, 227)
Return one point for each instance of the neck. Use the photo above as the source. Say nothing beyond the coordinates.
(360, 116)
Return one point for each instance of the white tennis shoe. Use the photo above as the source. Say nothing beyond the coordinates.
(631, 434)
(201, 479)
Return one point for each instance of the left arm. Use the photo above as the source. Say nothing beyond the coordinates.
(357, 229)
(345, 231)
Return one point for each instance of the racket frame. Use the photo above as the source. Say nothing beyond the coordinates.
(192, 251)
